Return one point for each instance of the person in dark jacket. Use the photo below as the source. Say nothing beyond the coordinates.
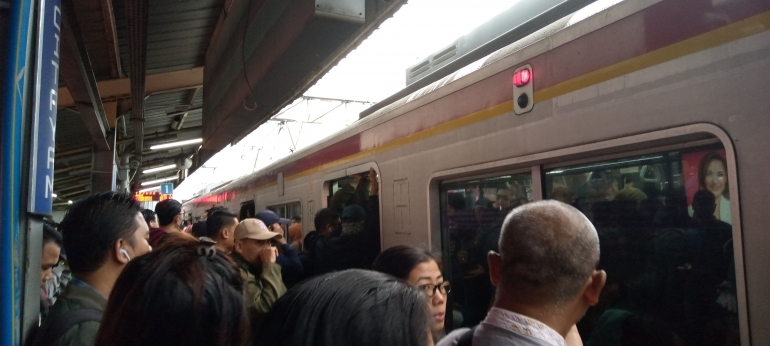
(101, 233)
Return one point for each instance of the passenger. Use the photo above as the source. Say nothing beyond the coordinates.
(151, 218)
(295, 233)
(545, 278)
(198, 229)
(358, 242)
(421, 269)
(52, 243)
(184, 293)
(712, 177)
(288, 258)
(220, 227)
(328, 225)
(102, 233)
(255, 257)
(170, 219)
(348, 308)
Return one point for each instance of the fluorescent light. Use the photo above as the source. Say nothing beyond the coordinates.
(54, 195)
(69, 202)
(151, 182)
(176, 144)
(159, 169)
(150, 189)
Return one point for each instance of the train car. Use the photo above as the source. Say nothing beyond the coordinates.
(633, 108)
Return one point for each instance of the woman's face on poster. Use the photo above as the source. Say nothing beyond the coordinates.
(716, 178)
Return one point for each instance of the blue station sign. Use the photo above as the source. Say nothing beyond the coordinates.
(45, 105)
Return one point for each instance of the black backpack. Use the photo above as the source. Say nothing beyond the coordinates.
(53, 328)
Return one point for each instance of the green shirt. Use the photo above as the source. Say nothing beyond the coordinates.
(261, 288)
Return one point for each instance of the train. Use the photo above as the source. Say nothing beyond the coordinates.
(625, 103)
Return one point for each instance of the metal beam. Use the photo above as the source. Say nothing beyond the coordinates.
(137, 14)
(78, 74)
(161, 134)
(155, 83)
(67, 169)
(112, 38)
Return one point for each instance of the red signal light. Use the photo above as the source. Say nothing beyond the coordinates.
(522, 77)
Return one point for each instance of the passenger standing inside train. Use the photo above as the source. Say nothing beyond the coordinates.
(255, 257)
(421, 269)
(328, 225)
(220, 227)
(358, 242)
(184, 293)
(545, 277)
(348, 308)
(288, 258)
(170, 219)
(102, 233)
(52, 244)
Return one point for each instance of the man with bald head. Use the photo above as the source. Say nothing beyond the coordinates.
(546, 279)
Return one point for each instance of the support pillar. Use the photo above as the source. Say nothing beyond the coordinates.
(103, 168)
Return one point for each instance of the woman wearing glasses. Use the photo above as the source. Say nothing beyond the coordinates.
(421, 269)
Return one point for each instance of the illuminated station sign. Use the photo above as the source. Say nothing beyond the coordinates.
(151, 196)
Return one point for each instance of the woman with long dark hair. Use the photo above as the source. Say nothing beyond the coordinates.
(419, 268)
(184, 293)
(348, 308)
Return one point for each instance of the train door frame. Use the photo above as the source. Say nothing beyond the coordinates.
(670, 139)
(350, 170)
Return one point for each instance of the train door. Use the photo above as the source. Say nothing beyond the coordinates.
(248, 209)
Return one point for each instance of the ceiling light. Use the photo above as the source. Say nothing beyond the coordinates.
(54, 195)
(151, 182)
(158, 169)
(69, 202)
(176, 144)
(150, 189)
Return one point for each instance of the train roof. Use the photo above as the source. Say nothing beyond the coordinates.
(570, 20)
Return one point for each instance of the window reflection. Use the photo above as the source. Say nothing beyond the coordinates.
(472, 215)
(666, 245)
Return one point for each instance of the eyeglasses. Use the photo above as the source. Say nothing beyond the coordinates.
(430, 290)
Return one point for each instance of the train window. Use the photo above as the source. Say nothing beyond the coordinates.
(666, 245)
(471, 215)
(287, 211)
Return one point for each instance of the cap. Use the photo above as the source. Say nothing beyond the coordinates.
(269, 218)
(353, 213)
(254, 229)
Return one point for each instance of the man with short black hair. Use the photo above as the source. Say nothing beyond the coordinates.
(220, 226)
(170, 218)
(545, 275)
(101, 234)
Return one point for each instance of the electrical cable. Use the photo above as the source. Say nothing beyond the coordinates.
(243, 62)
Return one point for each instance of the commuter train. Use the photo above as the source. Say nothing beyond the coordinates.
(647, 101)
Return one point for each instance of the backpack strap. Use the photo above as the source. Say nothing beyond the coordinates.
(467, 338)
(55, 328)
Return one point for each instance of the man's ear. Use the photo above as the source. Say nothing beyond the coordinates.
(495, 266)
(116, 247)
(238, 247)
(594, 287)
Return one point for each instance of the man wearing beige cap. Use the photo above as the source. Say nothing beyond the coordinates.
(255, 256)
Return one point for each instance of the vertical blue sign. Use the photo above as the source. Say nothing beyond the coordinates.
(46, 99)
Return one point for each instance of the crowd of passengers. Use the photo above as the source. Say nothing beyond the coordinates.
(113, 274)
